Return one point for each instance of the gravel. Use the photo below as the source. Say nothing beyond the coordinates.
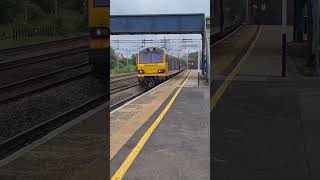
(121, 96)
(25, 72)
(24, 113)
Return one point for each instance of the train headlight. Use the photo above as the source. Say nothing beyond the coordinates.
(141, 71)
(161, 71)
(99, 32)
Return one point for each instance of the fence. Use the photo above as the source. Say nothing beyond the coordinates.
(23, 33)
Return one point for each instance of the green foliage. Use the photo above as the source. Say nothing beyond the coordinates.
(134, 59)
(193, 56)
(35, 13)
(124, 69)
(70, 22)
(193, 59)
(119, 64)
(9, 9)
(70, 14)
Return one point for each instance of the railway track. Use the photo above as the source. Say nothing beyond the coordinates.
(35, 84)
(30, 135)
(44, 92)
(123, 89)
(46, 45)
(125, 100)
(10, 64)
(114, 78)
(30, 128)
(123, 83)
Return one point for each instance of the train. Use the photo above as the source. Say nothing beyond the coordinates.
(99, 29)
(269, 12)
(227, 16)
(155, 65)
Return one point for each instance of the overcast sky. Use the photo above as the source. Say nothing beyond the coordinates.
(123, 7)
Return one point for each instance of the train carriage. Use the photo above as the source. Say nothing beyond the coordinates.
(227, 15)
(155, 65)
(99, 28)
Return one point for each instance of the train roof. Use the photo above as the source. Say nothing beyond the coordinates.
(150, 49)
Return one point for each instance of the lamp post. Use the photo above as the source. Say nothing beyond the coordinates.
(127, 52)
(247, 11)
(26, 11)
(56, 8)
(284, 38)
(188, 59)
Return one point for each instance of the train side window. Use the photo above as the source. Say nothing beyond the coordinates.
(101, 3)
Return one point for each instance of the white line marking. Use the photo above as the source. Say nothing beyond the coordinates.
(220, 41)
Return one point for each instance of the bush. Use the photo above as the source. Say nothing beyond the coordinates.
(123, 69)
(70, 22)
(35, 13)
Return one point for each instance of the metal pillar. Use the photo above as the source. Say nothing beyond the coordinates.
(188, 59)
(199, 55)
(298, 20)
(247, 10)
(203, 53)
(284, 38)
(315, 35)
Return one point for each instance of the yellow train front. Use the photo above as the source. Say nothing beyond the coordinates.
(154, 66)
(99, 27)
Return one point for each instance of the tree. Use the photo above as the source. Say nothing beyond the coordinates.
(10, 10)
(134, 59)
(113, 58)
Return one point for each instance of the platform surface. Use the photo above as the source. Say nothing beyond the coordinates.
(179, 147)
(264, 125)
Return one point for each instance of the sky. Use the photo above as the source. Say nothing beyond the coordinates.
(129, 7)
(123, 7)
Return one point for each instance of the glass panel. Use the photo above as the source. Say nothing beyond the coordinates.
(144, 58)
(157, 58)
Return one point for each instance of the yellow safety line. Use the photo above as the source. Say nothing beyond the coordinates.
(135, 151)
(215, 98)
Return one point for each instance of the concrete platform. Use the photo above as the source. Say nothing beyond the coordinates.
(225, 52)
(126, 120)
(265, 59)
(179, 147)
(264, 126)
(76, 151)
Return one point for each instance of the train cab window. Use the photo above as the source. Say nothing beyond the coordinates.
(101, 3)
(146, 58)
(157, 58)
